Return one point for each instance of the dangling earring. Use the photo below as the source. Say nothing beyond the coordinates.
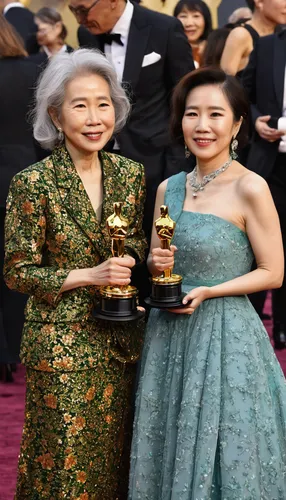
(233, 148)
(187, 152)
(60, 135)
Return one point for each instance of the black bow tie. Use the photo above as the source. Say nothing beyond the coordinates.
(111, 37)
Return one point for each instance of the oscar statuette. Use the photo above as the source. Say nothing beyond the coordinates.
(167, 288)
(118, 303)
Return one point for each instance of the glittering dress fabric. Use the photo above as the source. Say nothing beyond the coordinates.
(210, 419)
(80, 370)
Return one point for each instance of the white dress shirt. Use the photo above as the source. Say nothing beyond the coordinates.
(282, 120)
(116, 53)
(61, 51)
(10, 5)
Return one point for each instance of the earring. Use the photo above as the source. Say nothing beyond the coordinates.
(60, 135)
(187, 152)
(233, 148)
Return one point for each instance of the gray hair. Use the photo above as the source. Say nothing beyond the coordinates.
(50, 90)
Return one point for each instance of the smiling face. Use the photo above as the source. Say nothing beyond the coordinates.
(208, 123)
(87, 115)
(193, 22)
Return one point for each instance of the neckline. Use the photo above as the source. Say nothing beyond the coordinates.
(217, 217)
(209, 214)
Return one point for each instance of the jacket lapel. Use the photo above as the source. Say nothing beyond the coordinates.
(279, 61)
(136, 46)
(75, 199)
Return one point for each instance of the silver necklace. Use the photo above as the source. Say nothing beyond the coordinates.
(199, 186)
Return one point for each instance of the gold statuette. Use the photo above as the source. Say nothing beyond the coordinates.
(167, 288)
(118, 303)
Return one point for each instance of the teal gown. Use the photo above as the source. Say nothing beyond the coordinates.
(210, 420)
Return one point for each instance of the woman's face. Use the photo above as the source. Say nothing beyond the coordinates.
(87, 116)
(208, 123)
(193, 22)
(274, 10)
(47, 34)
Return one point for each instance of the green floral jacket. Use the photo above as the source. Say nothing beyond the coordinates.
(50, 229)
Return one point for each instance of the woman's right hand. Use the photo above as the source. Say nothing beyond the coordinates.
(163, 259)
(114, 271)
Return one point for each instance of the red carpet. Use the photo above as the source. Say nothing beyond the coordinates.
(11, 421)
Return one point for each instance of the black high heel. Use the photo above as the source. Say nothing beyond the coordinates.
(279, 337)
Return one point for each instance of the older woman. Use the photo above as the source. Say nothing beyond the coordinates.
(79, 371)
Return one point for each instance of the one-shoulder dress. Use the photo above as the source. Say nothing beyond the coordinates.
(210, 421)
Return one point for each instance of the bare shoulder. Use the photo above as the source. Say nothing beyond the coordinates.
(252, 187)
(238, 35)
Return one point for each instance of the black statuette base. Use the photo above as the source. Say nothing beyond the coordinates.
(118, 309)
(166, 296)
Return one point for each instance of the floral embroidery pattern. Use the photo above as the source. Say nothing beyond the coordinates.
(79, 369)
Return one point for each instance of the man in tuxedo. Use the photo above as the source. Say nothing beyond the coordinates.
(150, 53)
(23, 21)
(265, 81)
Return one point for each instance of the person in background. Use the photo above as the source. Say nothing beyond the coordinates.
(197, 22)
(18, 149)
(265, 82)
(267, 14)
(214, 47)
(80, 370)
(51, 33)
(244, 13)
(22, 19)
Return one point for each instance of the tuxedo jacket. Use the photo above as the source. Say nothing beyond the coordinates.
(263, 80)
(145, 138)
(23, 21)
(51, 229)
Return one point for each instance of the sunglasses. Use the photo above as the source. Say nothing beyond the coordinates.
(82, 12)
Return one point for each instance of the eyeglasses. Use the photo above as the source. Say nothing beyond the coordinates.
(82, 12)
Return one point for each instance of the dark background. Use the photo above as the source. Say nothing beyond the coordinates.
(226, 8)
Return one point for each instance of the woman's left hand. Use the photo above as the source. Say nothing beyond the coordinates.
(194, 299)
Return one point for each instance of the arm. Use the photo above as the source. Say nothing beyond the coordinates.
(179, 54)
(25, 232)
(235, 48)
(261, 123)
(159, 259)
(263, 230)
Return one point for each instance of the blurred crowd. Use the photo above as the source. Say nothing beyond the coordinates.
(252, 46)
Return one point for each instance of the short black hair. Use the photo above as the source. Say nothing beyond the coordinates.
(199, 6)
(231, 88)
(251, 4)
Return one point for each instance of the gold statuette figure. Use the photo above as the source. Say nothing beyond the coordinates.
(165, 228)
(118, 303)
(167, 288)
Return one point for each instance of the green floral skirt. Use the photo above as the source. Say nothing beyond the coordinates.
(77, 434)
